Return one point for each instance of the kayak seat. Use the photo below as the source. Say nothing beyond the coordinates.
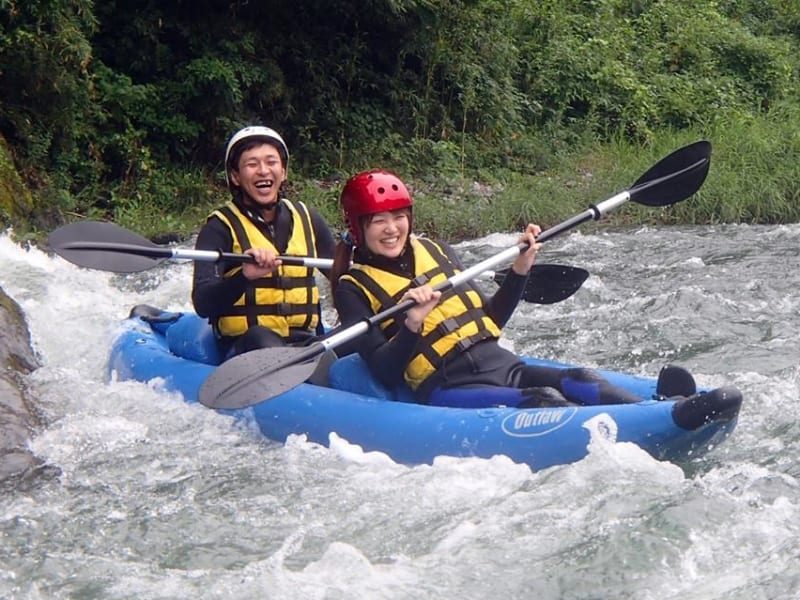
(675, 381)
(192, 337)
(351, 374)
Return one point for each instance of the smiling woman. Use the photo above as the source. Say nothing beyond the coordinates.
(446, 342)
(262, 303)
(388, 231)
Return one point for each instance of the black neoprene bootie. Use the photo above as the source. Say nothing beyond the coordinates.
(720, 404)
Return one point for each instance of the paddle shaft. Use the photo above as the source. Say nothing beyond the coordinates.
(187, 254)
(593, 212)
(196, 255)
(109, 247)
(338, 338)
(234, 384)
(459, 278)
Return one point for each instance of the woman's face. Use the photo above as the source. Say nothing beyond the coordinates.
(386, 233)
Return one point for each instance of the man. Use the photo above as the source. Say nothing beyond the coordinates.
(263, 303)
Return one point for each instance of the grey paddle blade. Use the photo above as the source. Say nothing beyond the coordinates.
(105, 247)
(259, 376)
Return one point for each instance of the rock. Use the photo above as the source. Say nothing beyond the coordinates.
(16, 202)
(18, 417)
(19, 208)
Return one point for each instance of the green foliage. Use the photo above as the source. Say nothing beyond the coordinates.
(165, 201)
(323, 196)
(123, 108)
(16, 203)
(646, 70)
(755, 172)
(45, 83)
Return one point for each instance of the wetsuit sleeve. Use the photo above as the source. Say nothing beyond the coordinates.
(502, 304)
(326, 244)
(386, 358)
(213, 294)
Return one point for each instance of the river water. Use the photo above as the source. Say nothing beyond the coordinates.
(155, 498)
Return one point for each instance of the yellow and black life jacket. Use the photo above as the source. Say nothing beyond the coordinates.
(287, 299)
(456, 323)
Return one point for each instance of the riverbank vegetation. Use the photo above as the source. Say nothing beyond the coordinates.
(496, 112)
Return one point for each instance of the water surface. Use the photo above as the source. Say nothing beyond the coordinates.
(159, 499)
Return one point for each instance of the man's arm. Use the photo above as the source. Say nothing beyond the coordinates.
(326, 243)
(213, 294)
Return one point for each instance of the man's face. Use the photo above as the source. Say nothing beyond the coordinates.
(260, 174)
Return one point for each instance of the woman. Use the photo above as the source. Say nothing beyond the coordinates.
(445, 347)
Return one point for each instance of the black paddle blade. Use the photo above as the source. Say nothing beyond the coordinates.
(675, 177)
(548, 284)
(259, 375)
(105, 247)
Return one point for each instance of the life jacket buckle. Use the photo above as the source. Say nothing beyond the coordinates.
(447, 326)
(420, 280)
(283, 309)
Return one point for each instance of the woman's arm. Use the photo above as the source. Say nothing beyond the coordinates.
(505, 300)
(387, 359)
(502, 304)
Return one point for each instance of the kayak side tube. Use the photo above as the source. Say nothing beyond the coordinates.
(361, 411)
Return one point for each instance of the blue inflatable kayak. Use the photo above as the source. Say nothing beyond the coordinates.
(180, 350)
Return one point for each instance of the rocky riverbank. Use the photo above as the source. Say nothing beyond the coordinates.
(18, 416)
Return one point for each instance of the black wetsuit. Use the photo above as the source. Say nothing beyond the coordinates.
(213, 294)
(483, 375)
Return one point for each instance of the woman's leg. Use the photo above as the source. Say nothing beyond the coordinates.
(475, 397)
(492, 396)
(578, 384)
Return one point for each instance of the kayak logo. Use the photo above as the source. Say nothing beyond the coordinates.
(538, 422)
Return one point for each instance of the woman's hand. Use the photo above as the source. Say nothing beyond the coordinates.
(524, 262)
(426, 298)
(266, 262)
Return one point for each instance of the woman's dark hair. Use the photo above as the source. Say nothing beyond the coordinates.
(341, 264)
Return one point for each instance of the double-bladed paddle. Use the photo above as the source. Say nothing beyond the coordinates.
(109, 247)
(261, 375)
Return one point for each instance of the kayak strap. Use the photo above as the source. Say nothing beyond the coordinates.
(153, 314)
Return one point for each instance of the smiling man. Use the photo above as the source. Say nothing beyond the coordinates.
(264, 303)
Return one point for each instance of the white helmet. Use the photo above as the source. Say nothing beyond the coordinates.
(266, 134)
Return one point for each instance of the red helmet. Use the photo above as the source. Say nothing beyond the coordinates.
(369, 193)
